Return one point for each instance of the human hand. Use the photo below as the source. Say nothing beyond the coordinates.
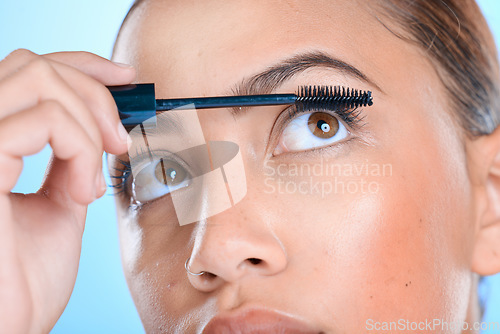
(58, 99)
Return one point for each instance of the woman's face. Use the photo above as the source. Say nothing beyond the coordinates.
(375, 224)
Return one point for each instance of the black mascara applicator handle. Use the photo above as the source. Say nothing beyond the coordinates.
(137, 103)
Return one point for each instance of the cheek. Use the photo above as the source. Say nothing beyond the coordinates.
(407, 254)
(154, 248)
(412, 240)
(402, 252)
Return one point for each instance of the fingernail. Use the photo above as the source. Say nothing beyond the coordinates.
(122, 65)
(122, 133)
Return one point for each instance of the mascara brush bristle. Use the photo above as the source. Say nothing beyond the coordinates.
(334, 97)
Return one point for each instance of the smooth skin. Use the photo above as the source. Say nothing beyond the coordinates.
(412, 250)
(58, 99)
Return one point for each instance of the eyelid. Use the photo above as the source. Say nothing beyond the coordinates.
(291, 112)
(350, 117)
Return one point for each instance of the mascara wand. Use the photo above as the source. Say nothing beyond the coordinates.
(137, 103)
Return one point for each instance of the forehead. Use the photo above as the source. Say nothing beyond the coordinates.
(211, 44)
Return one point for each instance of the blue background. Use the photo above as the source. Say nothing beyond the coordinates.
(101, 302)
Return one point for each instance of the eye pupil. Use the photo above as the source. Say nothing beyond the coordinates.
(170, 172)
(323, 125)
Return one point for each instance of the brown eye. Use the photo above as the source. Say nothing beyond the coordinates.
(169, 172)
(323, 125)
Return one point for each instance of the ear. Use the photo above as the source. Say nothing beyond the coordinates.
(486, 254)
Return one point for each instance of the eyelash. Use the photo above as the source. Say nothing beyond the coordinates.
(122, 177)
(353, 118)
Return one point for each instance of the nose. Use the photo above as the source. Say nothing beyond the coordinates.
(233, 245)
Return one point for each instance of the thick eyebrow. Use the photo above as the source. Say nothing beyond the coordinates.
(270, 79)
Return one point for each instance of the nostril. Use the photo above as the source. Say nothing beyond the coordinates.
(253, 260)
(209, 275)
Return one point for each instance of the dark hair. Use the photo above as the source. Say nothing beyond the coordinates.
(456, 38)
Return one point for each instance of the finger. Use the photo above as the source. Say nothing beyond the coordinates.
(100, 180)
(95, 95)
(109, 74)
(101, 69)
(15, 60)
(28, 131)
(102, 105)
(38, 81)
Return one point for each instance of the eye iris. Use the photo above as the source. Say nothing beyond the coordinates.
(169, 172)
(323, 125)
